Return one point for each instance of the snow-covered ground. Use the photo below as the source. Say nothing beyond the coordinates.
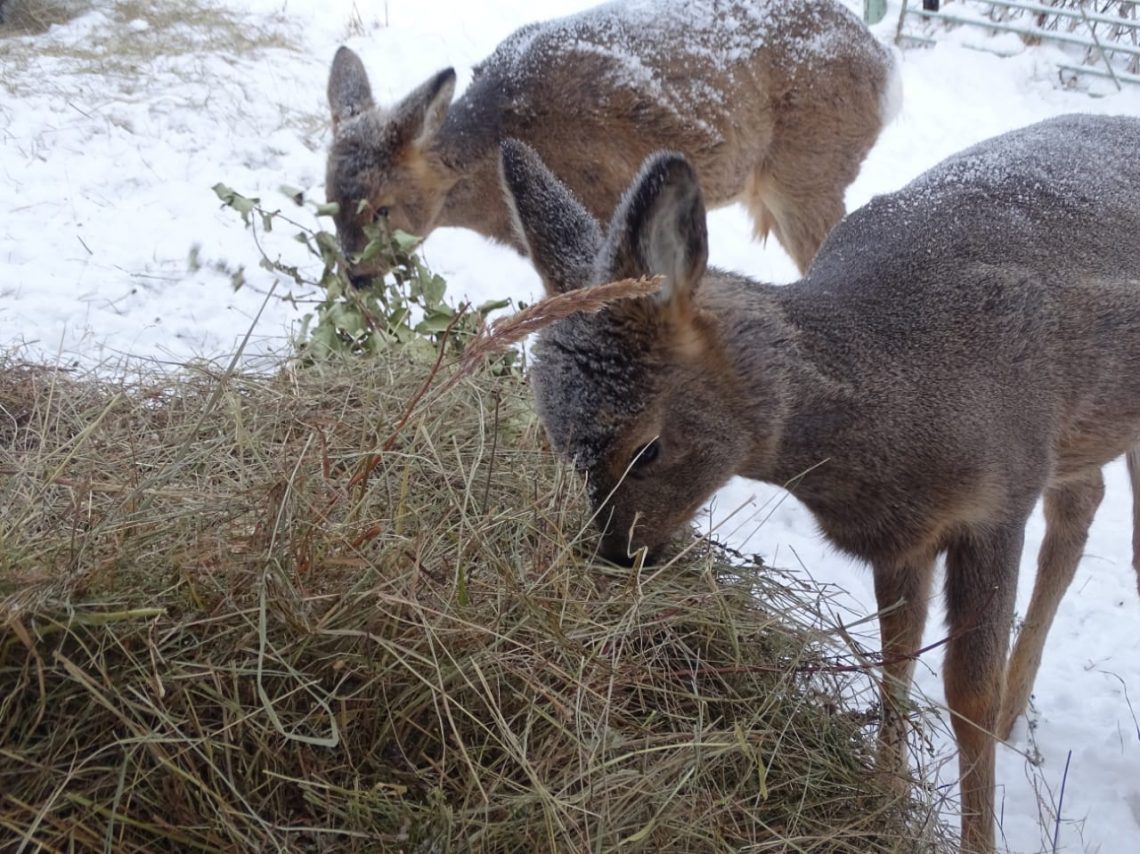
(114, 127)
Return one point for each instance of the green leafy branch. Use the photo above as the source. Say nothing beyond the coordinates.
(407, 306)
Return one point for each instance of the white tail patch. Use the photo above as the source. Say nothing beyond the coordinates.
(891, 101)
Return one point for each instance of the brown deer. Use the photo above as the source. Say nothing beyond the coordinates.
(774, 102)
(958, 349)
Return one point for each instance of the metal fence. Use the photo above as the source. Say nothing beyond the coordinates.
(1100, 37)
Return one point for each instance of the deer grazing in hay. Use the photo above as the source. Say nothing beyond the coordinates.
(774, 102)
(958, 349)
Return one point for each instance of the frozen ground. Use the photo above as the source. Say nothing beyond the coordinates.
(113, 128)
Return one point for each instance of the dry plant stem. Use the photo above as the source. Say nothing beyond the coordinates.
(370, 462)
(507, 331)
(1061, 801)
(494, 448)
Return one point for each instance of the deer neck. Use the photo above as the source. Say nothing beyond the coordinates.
(468, 146)
(476, 201)
(797, 398)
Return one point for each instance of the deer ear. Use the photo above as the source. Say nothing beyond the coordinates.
(349, 92)
(560, 235)
(420, 115)
(659, 229)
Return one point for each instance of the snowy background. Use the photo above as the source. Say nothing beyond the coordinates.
(115, 125)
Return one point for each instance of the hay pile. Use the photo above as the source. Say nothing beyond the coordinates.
(229, 622)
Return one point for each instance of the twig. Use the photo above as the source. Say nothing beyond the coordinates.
(1127, 699)
(1061, 802)
(494, 448)
(372, 460)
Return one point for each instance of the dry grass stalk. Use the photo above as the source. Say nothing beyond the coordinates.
(510, 330)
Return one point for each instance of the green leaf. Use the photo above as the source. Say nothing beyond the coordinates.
(235, 199)
(373, 250)
(296, 196)
(483, 309)
(405, 242)
(327, 209)
(436, 321)
(349, 319)
(434, 289)
(329, 248)
(325, 340)
(326, 240)
(333, 284)
(399, 317)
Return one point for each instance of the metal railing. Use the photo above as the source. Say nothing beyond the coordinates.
(1107, 32)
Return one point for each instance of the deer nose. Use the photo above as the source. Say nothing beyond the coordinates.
(621, 556)
(360, 280)
(617, 549)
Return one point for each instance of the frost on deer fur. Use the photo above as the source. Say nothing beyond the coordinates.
(1039, 166)
(641, 38)
(1021, 176)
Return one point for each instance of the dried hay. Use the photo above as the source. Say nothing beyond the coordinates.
(249, 612)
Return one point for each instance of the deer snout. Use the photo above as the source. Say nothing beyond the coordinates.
(622, 541)
(618, 549)
(361, 275)
(359, 272)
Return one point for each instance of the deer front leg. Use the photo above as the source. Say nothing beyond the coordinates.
(902, 592)
(981, 585)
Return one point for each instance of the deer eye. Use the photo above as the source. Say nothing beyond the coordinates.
(380, 213)
(645, 455)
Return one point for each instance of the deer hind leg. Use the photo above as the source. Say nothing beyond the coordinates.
(799, 209)
(903, 594)
(798, 189)
(981, 585)
(1134, 476)
(1069, 510)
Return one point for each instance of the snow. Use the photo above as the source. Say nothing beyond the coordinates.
(113, 130)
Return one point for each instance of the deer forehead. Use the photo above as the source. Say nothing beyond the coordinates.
(593, 386)
(364, 154)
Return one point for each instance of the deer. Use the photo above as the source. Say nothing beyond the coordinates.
(775, 105)
(958, 349)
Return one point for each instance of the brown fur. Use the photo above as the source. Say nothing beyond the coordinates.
(775, 102)
(958, 349)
